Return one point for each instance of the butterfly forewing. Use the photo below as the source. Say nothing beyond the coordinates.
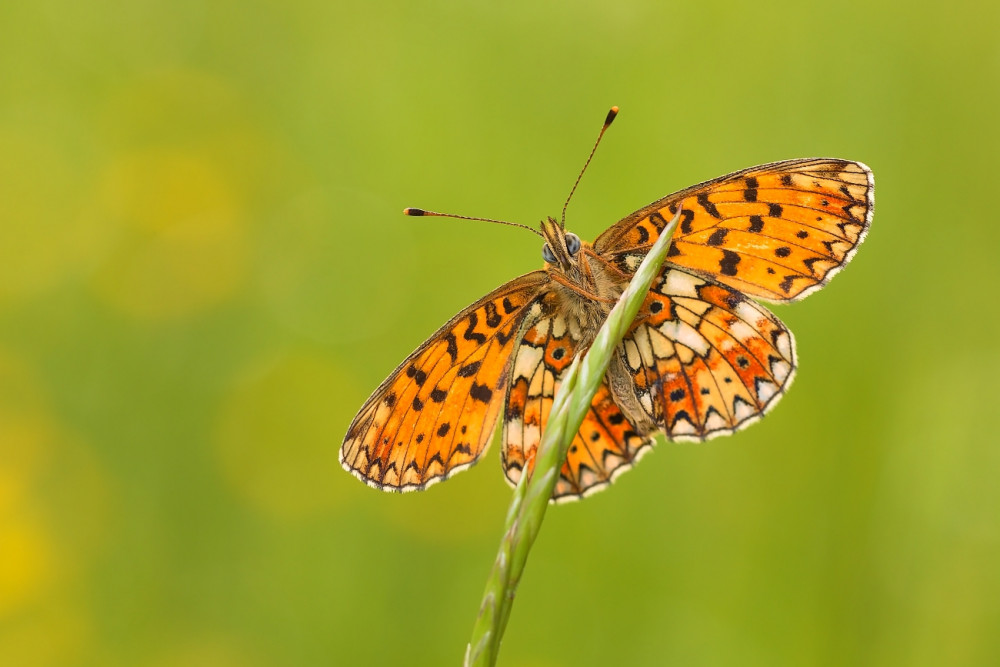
(776, 232)
(437, 411)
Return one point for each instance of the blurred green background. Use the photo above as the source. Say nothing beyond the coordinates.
(204, 272)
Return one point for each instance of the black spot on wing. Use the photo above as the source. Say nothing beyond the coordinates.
(786, 282)
(432, 459)
(812, 260)
(686, 217)
(727, 265)
(469, 369)
(492, 316)
(708, 206)
(504, 336)
(681, 414)
(718, 236)
(481, 392)
(391, 466)
(470, 331)
(740, 399)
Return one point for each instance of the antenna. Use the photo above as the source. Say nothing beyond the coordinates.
(416, 212)
(607, 122)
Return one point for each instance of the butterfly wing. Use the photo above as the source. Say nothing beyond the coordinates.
(607, 444)
(705, 360)
(435, 414)
(776, 232)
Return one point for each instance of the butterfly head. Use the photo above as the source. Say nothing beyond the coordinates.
(561, 248)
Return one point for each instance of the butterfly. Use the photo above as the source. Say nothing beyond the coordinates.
(701, 359)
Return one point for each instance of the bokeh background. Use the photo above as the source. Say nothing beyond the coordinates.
(204, 272)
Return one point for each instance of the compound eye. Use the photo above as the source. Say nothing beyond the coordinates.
(547, 254)
(572, 243)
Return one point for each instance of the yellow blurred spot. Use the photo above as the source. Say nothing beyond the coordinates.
(183, 246)
(188, 168)
(27, 569)
(25, 562)
(53, 495)
(279, 433)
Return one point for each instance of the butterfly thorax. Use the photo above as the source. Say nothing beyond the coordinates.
(584, 287)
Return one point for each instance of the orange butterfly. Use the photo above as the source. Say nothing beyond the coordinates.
(700, 360)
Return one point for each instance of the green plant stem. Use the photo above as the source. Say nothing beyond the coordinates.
(532, 494)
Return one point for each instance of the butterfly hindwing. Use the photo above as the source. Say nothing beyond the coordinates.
(704, 359)
(607, 442)
(776, 232)
(435, 414)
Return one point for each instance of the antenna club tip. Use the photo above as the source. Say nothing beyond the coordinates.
(611, 116)
(414, 211)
